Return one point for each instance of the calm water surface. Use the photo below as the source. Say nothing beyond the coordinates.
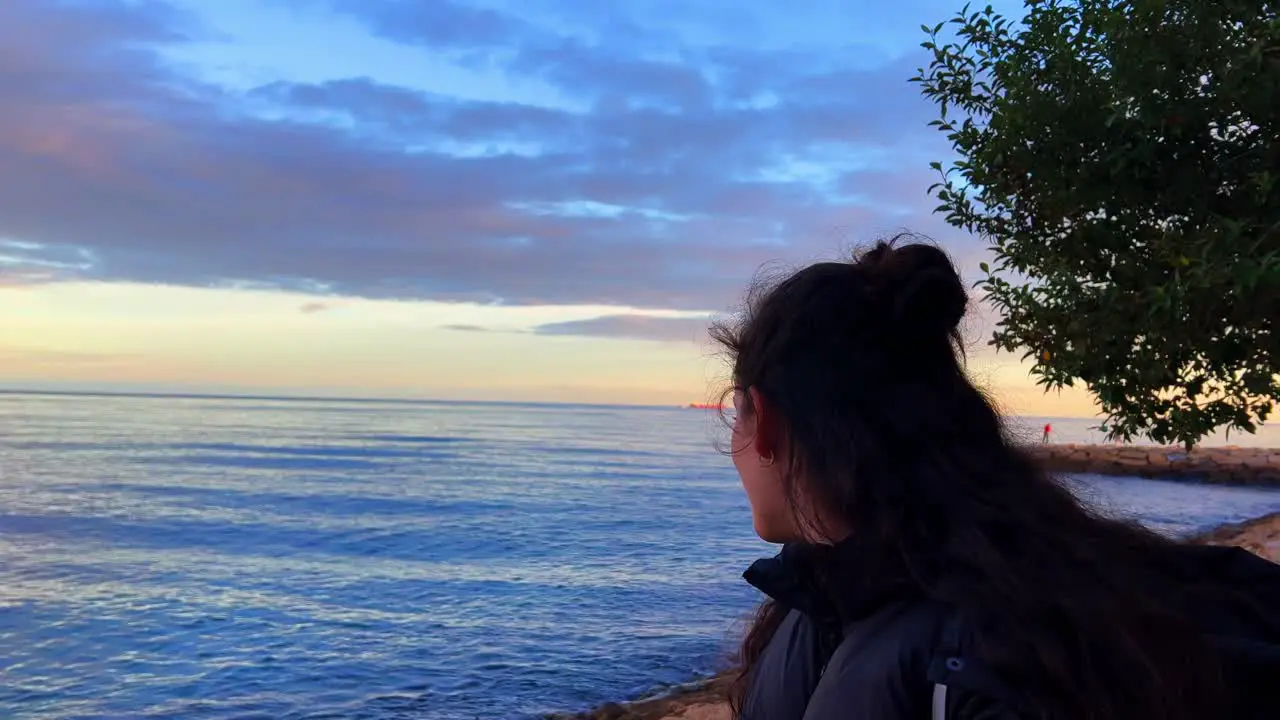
(211, 558)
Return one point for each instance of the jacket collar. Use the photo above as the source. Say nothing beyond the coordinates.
(831, 583)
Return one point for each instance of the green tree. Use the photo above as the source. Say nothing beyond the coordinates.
(1122, 158)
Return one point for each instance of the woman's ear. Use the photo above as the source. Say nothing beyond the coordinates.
(765, 437)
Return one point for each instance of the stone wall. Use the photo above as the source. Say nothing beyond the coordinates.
(1228, 465)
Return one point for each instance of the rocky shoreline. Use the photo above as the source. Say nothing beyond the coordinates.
(1261, 536)
(1225, 465)
(703, 700)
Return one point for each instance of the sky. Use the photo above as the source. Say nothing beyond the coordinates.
(462, 199)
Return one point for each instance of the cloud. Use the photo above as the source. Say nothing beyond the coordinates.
(47, 359)
(11, 279)
(660, 172)
(629, 326)
(636, 327)
(311, 308)
(448, 23)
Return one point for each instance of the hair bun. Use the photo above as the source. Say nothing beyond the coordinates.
(920, 288)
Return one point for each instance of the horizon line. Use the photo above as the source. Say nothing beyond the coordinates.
(193, 395)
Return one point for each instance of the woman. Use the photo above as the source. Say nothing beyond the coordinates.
(929, 567)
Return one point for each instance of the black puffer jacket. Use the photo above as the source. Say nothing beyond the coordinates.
(862, 648)
(870, 647)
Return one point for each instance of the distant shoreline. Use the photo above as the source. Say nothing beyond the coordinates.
(705, 699)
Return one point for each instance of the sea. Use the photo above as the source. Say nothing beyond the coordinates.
(195, 557)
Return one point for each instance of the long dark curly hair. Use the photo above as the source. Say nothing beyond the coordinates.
(862, 363)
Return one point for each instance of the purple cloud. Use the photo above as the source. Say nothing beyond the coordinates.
(635, 327)
(448, 23)
(671, 173)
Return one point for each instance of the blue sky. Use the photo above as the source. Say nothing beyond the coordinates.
(552, 171)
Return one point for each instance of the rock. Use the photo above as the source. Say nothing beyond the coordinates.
(1132, 461)
(1253, 466)
(1257, 461)
(1271, 551)
(610, 711)
(706, 711)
